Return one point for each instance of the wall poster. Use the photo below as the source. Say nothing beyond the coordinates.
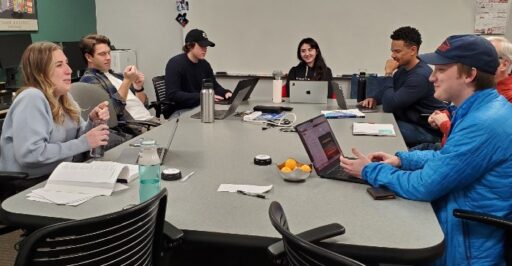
(18, 15)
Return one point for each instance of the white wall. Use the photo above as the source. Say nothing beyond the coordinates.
(148, 27)
(258, 36)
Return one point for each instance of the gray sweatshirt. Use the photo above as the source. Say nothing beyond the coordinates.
(32, 142)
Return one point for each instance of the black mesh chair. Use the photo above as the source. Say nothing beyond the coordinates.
(500, 222)
(300, 249)
(162, 105)
(132, 236)
(12, 183)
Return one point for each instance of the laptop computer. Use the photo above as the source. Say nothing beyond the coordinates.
(131, 155)
(302, 91)
(241, 84)
(323, 149)
(222, 114)
(342, 103)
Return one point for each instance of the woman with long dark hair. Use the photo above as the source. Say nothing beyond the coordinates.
(311, 66)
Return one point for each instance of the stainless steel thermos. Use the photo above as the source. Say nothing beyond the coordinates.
(207, 102)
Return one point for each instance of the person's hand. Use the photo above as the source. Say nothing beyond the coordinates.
(368, 103)
(218, 98)
(139, 81)
(97, 136)
(100, 112)
(228, 95)
(130, 73)
(437, 118)
(384, 158)
(354, 167)
(390, 67)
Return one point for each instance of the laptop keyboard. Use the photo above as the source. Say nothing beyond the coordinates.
(337, 172)
(366, 109)
(223, 102)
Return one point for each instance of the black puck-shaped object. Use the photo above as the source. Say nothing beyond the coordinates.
(262, 159)
(171, 174)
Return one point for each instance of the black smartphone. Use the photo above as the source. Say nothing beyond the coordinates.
(380, 193)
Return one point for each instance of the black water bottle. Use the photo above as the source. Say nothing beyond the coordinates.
(361, 86)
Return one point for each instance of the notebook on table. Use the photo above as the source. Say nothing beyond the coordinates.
(241, 84)
(323, 150)
(302, 91)
(223, 114)
(131, 155)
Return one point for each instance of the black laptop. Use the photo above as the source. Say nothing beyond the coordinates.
(222, 114)
(323, 149)
(342, 102)
(241, 84)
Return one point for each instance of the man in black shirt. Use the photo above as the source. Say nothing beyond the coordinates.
(185, 72)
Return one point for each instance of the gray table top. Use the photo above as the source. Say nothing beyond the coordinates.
(223, 152)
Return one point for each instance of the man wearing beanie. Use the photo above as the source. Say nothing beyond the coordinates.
(473, 171)
(185, 72)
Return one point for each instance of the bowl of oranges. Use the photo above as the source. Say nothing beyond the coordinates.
(294, 171)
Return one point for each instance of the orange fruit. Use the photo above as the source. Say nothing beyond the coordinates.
(290, 163)
(305, 168)
(286, 169)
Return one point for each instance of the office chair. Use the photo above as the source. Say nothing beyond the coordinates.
(500, 222)
(89, 96)
(132, 236)
(162, 105)
(12, 183)
(300, 249)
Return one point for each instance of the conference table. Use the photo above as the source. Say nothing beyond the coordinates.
(222, 152)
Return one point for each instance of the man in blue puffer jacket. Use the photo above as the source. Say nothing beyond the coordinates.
(473, 170)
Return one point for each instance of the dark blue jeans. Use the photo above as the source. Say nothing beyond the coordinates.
(414, 134)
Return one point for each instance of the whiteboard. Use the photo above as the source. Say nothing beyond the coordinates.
(257, 37)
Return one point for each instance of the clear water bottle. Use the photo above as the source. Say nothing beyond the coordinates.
(361, 86)
(149, 170)
(277, 85)
(207, 102)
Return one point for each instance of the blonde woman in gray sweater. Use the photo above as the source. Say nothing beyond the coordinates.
(43, 126)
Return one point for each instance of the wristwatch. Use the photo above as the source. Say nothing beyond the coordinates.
(141, 90)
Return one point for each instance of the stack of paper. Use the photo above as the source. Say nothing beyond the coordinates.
(350, 113)
(373, 129)
(75, 183)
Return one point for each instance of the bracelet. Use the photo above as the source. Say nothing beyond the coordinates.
(141, 90)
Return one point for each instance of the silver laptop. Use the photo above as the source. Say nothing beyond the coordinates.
(302, 91)
(222, 114)
(131, 155)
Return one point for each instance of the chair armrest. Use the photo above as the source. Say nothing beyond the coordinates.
(172, 232)
(483, 218)
(158, 103)
(143, 123)
(313, 235)
(174, 236)
(5, 175)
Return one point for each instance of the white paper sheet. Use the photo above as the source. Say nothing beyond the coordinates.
(245, 188)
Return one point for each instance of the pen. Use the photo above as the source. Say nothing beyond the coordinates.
(425, 114)
(257, 195)
(187, 176)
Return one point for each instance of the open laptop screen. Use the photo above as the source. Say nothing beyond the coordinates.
(319, 141)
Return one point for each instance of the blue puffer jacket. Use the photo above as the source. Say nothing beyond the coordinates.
(472, 171)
